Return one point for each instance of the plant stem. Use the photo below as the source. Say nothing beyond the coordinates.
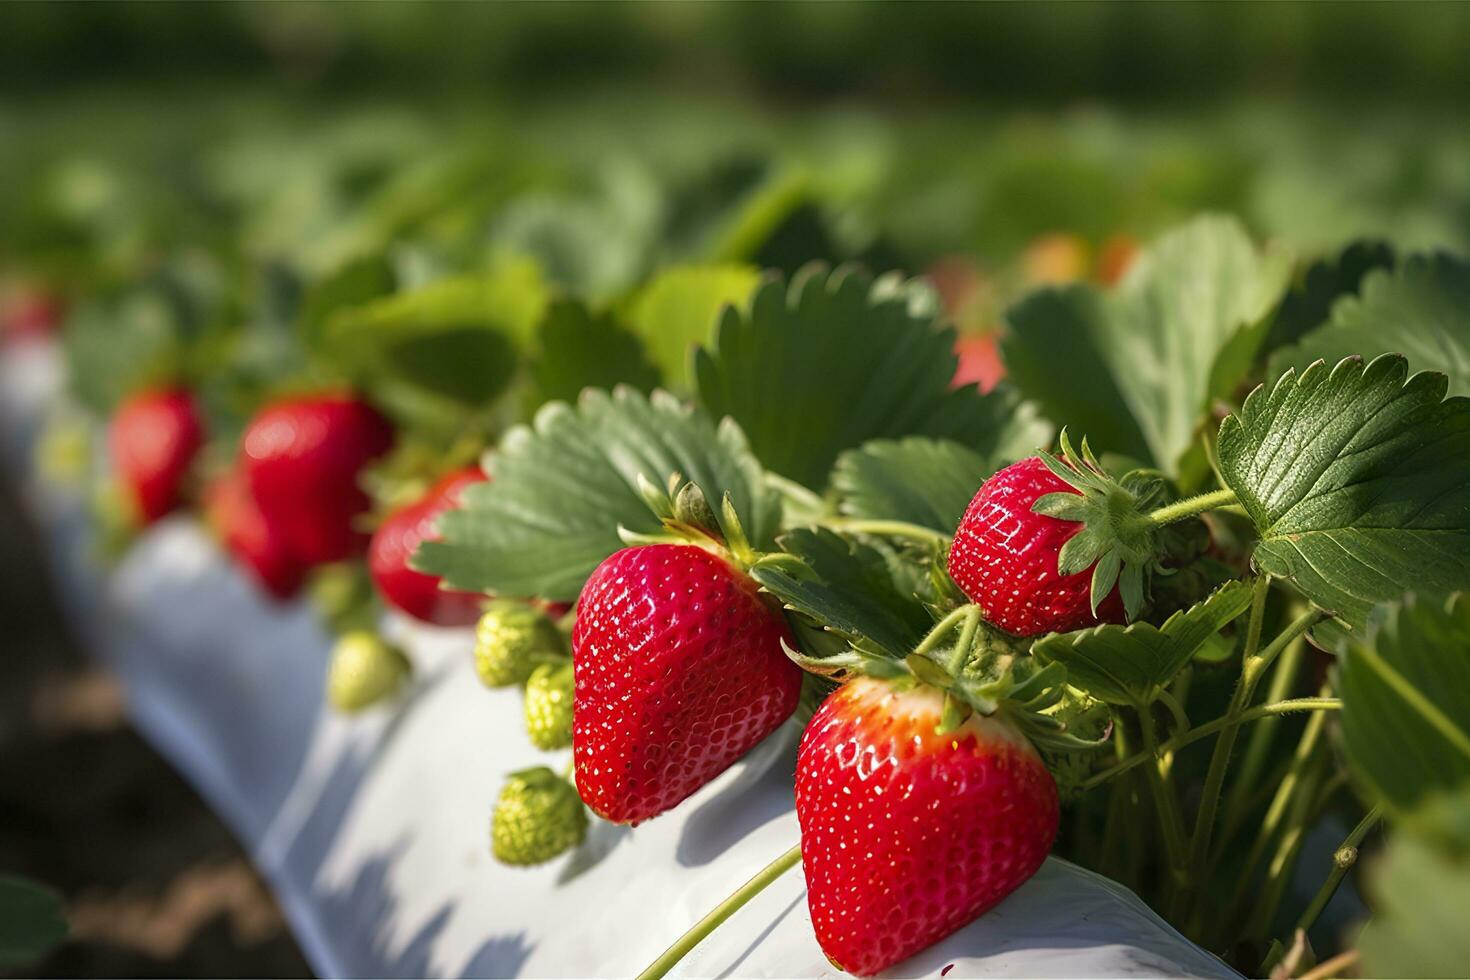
(1205, 819)
(1267, 898)
(1286, 789)
(961, 655)
(1252, 666)
(942, 628)
(1211, 727)
(1176, 710)
(1259, 743)
(720, 913)
(797, 493)
(1343, 860)
(1165, 802)
(892, 529)
(1328, 969)
(1190, 506)
(1109, 859)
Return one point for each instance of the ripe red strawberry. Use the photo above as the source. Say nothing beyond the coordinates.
(907, 835)
(1115, 258)
(393, 545)
(979, 363)
(153, 438)
(959, 281)
(254, 541)
(31, 312)
(303, 458)
(1004, 557)
(679, 671)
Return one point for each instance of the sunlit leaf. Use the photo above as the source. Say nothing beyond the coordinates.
(562, 486)
(1420, 310)
(1406, 702)
(834, 360)
(1138, 366)
(1357, 478)
(1129, 664)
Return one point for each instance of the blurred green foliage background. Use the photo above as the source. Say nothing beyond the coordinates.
(285, 160)
(1145, 53)
(944, 126)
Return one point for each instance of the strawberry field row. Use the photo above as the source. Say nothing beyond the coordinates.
(1142, 546)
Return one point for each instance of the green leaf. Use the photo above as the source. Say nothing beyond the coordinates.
(750, 224)
(561, 488)
(112, 351)
(582, 247)
(32, 921)
(922, 481)
(678, 311)
(848, 588)
(147, 332)
(1358, 481)
(1137, 366)
(1129, 664)
(835, 360)
(594, 243)
(355, 284)
(1309, 303)
(1406, 702)
(578, 349)
(456, 337)
(1420, 889)
(1420, 310)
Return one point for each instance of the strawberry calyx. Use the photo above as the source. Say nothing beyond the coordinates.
(979, 669)
(686, 517)
(1119, 539)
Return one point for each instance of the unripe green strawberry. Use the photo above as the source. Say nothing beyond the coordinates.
(64, 451)
(115, 518)
(364, 670)
(511, 640)
(537, 817)
(549, 706)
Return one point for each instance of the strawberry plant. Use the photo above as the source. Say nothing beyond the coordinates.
(396, 540)
(153, 438)
(302, 459)
(910, 876)
(1151, 556)
(1069, 618)
(680, 670)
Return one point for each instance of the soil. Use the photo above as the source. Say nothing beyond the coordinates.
(154, 883)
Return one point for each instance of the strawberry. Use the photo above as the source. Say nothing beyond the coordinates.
(31, 312)
(959, 281)
(979, 363)
(255, 542)
(364, 670)
(549, 706)
(908, 835)
(393, 546)
(1055, 259)
(1006, 557)
(1115, 258)
(153, 439)
(302, 458)
(537, 817)
(511, 640)
(679, 672)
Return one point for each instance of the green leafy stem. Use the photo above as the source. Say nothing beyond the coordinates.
(1193, 506)
(1254, 665)
(720, 913)
(1207, 729)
